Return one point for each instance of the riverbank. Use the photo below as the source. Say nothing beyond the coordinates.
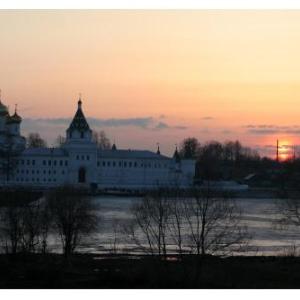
(98, 271)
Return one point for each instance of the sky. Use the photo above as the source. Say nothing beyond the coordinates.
(149, 77)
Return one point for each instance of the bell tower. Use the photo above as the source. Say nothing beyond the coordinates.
(79, 130)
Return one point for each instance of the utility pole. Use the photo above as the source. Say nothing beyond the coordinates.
(277, 151)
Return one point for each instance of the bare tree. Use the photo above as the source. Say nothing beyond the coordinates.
(189, 147)
(23, 224)
(214, 222)
(117, 228)
(34, 140)
(73, 216)
(177, 222)
(288, 209)
(12, 227)
(150, 219)
(60, 141)
(101, 139)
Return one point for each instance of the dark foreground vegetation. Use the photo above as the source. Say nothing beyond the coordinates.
(91, 271)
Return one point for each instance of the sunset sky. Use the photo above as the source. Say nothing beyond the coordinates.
(156, 76)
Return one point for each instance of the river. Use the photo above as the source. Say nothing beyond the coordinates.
(258, 215)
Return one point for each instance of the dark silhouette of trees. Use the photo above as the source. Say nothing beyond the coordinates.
(34, 140)
(215, 160)
(204, 221)
(73, 216)
(101, 139)
(60, 141)
(150, 218)
(22, 220)
(214, 222)
(189, 148)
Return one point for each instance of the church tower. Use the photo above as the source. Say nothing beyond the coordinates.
(79, 130)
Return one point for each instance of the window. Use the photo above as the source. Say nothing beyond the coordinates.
(88, 157)
(98, 164)
(28, 162)
(82, 135)
(32, 172)
(77, 157)
(114, 163)
(135, 164)
(22, 162)
(125, 164)
(49, 162)
(120, 164)
(82, 157)
(60, 162)
(103, 164)
(33, 162)
(54, 163)
(66, 163)
(108, 163)
(130, 164)
(44, 162)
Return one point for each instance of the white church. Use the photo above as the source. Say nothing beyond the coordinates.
(79, 161)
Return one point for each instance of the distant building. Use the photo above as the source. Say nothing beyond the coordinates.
(80, 161)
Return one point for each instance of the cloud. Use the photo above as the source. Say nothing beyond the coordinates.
(180, 127)
(144, 123)
(162, 125)
(267, 129)
(226, 131)
(207, 118)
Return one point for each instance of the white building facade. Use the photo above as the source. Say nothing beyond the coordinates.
(80, 161)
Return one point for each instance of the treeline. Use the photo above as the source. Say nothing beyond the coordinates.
(228, 161)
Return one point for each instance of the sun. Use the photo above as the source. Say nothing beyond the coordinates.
(284, 149)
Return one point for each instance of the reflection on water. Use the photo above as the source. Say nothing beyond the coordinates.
(258, 215)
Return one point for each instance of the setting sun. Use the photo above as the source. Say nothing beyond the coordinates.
(285, 149)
